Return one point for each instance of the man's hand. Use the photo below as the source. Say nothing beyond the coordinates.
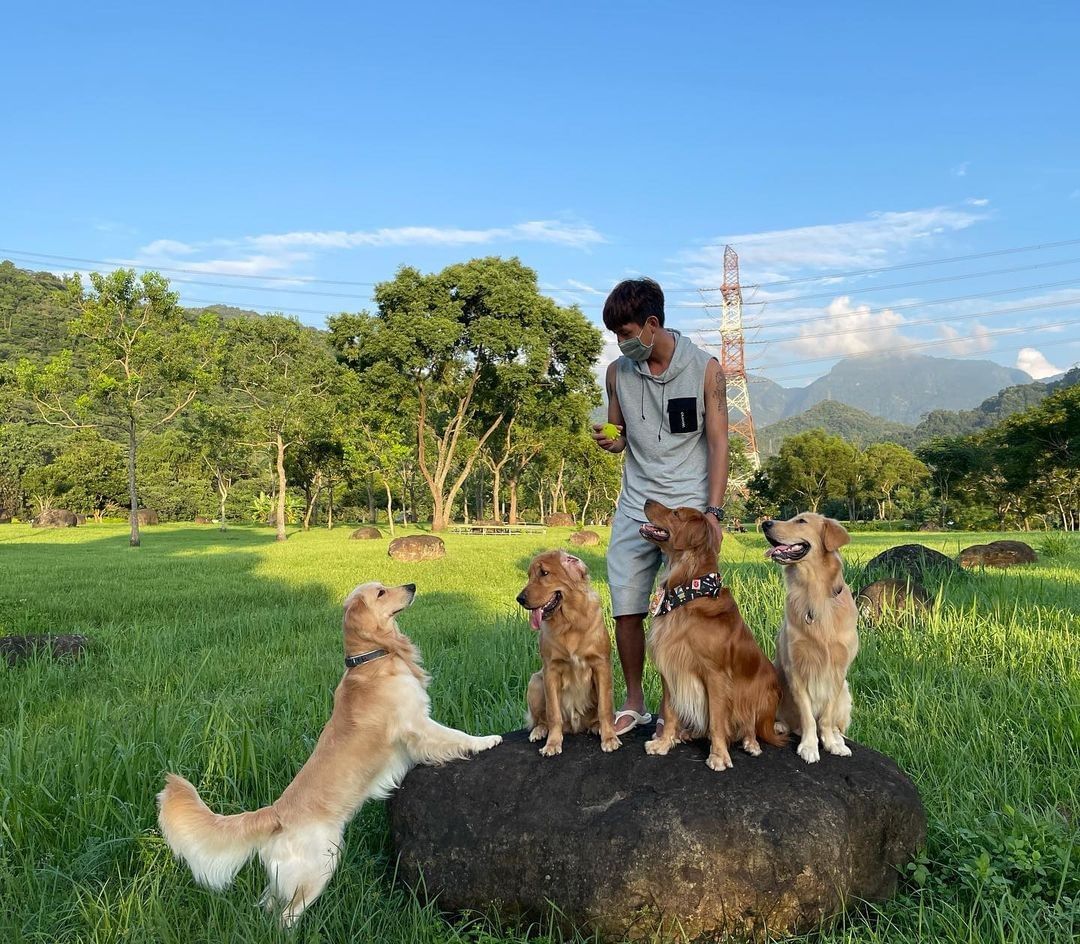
(603, 439)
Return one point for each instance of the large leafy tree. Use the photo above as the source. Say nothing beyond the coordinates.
(810, 469)
(141, 363)
(286, 381)
(465, 351)
(88, 476)
(890, 471)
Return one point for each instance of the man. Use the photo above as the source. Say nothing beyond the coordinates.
(668, 399)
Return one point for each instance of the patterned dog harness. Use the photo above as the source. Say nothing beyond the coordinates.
(667, 598)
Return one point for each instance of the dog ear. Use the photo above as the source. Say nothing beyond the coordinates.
(359, 620)
(575, 566)
(834, 535)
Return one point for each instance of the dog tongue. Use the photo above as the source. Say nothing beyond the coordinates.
(536, 617)
(777, 549)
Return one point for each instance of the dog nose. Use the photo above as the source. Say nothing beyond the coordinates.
(411, 587)
(521, 599)
(767, 523)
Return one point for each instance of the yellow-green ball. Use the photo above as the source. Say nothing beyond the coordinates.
(611, 431)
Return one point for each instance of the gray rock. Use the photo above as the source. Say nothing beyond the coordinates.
(147, 516)
(365, 534)
(997, 554)
(892, 596)
(55, 518)
(17, 648)
(625, 845)
(911, 562)
(560, 519)
(584, 539)
(417, 547)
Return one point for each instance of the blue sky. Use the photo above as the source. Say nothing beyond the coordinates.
(593, 140)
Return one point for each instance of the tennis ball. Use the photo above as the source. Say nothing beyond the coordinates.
(611, 431)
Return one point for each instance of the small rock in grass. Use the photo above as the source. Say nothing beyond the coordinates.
(584, 538)
(997, 554)
(417, 547)
(365, 534)
(892, 595)
(18, 648)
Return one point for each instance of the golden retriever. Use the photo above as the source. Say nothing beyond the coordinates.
(818, 640)
(378, 730)
(572, 692)
(716, 679)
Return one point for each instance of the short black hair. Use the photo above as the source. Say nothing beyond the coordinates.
(634, 301)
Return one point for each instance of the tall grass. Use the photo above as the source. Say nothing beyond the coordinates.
(216, 654)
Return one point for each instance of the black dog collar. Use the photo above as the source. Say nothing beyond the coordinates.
(668, 598)
(351, 662)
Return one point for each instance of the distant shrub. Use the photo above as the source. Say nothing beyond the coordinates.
(1056, 546)
(901, 524)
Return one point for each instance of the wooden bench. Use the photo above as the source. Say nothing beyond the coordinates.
(497, 529)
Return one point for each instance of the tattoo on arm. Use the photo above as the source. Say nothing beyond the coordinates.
(721, 391)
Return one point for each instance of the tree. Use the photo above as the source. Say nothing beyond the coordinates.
(286, 379)
(887, 469)
(216, 434)
(144, 364)
(88, 476)
(462, 350)
(811, 467)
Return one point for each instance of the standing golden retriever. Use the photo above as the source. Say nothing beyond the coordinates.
(716, 679)
(818, 640)
(572, 692)
(378, 730)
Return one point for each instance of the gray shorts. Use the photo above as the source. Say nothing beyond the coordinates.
(632, 565)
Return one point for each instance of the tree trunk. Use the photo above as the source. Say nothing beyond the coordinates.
(317, 487)
(280, 488)
(223, 494)
(389, 506)
(135, 540)
(330, 509)
(370, 500)
(540, 496)
(513, 502)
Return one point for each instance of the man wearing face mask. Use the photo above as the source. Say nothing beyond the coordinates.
(668, 399)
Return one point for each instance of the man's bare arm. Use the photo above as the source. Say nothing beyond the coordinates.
(716, 431)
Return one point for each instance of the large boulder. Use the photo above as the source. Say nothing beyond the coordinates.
(147, 516)
(366, 534)
(584, 538)
(17, 648)
(892, 596)
(997, 554)
(560, 519)
(417, 547)
(55, 518)
(626, 845)
(911, 562)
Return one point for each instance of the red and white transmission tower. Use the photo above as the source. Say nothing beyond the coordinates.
(732, 358)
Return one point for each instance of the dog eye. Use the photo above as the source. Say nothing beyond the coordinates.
(543, 573)
(382, 593)
(800, 521)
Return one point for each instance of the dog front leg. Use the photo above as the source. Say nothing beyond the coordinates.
(834, 722)
(719, 724)
(605, 705)
(434, 743)
(659, 745)
(553, 710)
(808, 745)
(536, 719)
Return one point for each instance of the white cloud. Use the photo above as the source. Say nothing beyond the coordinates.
(167, 247)
(874, 241)
(961, 169)
(976, 340)
(848, 329)
(582, 287)
(1034, 362)
(977, 201)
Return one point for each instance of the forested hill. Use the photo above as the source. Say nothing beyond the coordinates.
(849, 423)
(35, 308)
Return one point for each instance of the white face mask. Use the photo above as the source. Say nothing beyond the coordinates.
(635, 348)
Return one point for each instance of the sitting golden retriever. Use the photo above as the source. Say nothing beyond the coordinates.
(378, 730)
(572, 692)
(716, 679)
(818, 640)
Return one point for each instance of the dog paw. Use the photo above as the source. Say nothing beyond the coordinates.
(607, 745)
(658, 747)
(780, 728)
(487, 743)
(751, 746)
(719, 762)
(808, 751)
(538, 733)
(838, 747)
(550, 750)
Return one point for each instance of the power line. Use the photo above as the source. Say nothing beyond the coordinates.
(925, 321)
(945, 278)
(784, 322)
(906, 265)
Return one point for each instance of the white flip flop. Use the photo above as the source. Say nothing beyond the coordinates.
(639, 719)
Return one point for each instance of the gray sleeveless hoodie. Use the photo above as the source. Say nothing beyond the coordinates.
(667, 455)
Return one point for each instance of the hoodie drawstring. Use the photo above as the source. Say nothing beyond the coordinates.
(663, 404)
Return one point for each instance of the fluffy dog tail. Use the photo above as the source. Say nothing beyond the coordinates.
(766, 720)
(214, 847)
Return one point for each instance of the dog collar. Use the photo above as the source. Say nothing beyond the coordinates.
(810, 613)
(668, 598)
(351, 662)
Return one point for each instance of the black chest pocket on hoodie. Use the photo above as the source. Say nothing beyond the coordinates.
(682, 415)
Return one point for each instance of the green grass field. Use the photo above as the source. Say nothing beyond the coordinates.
(216, 655)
